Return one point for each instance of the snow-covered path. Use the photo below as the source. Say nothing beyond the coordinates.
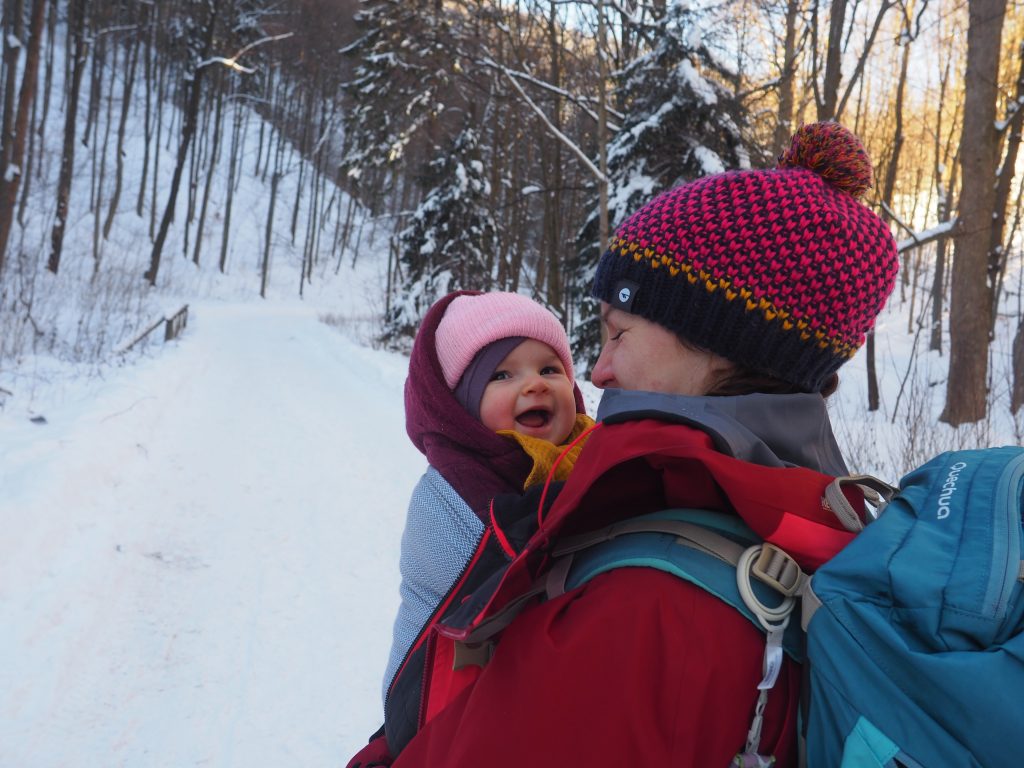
(199, 559)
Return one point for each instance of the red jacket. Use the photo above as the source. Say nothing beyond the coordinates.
(635, 667)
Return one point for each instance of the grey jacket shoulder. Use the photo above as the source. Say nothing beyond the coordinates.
(771, 430)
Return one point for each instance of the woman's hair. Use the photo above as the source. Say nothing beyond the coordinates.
(744, 380)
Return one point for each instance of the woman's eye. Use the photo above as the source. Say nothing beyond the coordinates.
(616, 337)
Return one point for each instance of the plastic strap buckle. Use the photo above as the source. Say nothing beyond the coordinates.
(778, 570)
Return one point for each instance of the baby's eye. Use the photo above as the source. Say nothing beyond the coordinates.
(499, 375)
(547, 370)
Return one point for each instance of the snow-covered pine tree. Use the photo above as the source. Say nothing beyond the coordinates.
(400, 85)
(449, 242)
(680, 123)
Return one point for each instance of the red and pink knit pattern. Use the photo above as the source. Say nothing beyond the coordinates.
(780, 269)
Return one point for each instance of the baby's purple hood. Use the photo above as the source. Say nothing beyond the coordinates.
(478, 463)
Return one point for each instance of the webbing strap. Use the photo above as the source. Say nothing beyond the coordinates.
(774, 567)
(493, 625)
(875, 492)
(809, 604)
(1020, 571)
(691, 535)
(553, 583)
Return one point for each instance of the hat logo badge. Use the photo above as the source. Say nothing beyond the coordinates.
(624, 294)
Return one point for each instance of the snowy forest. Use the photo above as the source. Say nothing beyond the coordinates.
(495, 144)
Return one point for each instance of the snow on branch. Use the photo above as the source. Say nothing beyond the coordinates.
(918, 239)
(561, 136)
(575, 99)
(232, 62)
(1011, 111)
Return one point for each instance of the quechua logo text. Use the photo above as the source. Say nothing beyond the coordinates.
(948, 489)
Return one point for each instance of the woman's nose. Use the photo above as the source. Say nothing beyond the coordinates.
(602, 376)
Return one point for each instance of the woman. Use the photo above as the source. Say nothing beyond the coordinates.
(729, 305)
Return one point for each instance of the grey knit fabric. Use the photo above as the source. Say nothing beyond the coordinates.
(440, 535)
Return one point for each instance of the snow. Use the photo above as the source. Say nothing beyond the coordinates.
(205, 561)
(928, 234)
(709, 160)
(700, 86)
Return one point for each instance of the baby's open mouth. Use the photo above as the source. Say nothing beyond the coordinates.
(534, 419)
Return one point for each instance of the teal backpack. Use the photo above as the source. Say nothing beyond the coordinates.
(914, 633)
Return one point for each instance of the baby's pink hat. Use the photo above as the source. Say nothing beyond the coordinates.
(472, 322)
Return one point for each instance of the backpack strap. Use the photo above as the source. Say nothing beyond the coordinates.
(718, 554)
(712, 550)
(876, 492)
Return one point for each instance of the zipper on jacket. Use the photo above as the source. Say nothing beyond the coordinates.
(424, 636)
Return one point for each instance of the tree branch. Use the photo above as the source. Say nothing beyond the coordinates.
(577, 100)
(557, 133)
(232, 62)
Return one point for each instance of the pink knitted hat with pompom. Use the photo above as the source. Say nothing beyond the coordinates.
(783, 270)
(473, 322)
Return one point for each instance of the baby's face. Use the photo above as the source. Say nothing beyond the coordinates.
(530, 393)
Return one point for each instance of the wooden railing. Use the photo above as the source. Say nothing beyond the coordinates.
(173, 326)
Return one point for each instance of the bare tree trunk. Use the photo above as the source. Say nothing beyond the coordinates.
(303, 150)
(95, 86)
(188, 130)
(12, 30)
(76, 26)
(233, 162)
(101, 176)
(126, 94)
(1004, 180)
(943, 207)
(1017, 396)
(11, 172)
(148, 116)
(833, 61)
(32, 162)
(214, 157)
(888, 187)
(265, 269)
(161, 93)
(970, 305)
(51, 47)
(784, 123)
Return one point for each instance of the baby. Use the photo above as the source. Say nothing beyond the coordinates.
(491, 401)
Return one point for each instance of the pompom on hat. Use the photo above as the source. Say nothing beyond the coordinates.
(472, 324)
(780, 270)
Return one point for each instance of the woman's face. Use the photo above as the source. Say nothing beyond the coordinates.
(639, 354)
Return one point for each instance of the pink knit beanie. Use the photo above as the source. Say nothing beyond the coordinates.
(783, 270)
(472, 322)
